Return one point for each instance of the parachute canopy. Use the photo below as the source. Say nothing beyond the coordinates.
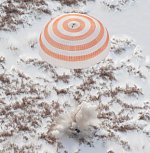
(74, 41)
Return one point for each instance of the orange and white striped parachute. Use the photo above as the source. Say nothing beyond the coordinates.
(74, 41)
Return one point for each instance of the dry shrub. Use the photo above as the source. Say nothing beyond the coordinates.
(23, 128)
(124, 128)
(132, 90)
(32, 103)
(119, 5)
(70, 2)
(86, 85)
(107, 73)
(14, 12)
(133, 71)
(128, 90)
(28, 118)
(110, 151)
(6, 134)
(49, 138)
(2, 59)
(122, 45)
(76, 11)
(77, 96)
(77, 72)
(4, 78)
(12, 147)
(17, 83)
(64, 78)
(61, 91)
(111, 123)
(86, 141)
(144, 116)
(38, 63)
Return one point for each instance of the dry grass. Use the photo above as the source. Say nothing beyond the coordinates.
(49, 138)
(117, 6)
(11, 147)
(107, 73)
(38, 63)
(110, 151)
(14, 12)
(36, 102)
(71, 2)
(64, 78)
(130, 91)
(119, 46)
(61, 91)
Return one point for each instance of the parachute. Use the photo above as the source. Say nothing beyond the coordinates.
(74, 41)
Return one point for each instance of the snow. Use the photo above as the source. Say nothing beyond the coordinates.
(32, 93)
(134, 21)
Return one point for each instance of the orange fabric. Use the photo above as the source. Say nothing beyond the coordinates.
(74, 58)
(80, 28)
(73, 38)
(77, 47)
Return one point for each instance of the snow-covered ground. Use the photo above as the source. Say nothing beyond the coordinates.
(33, 94)
(134, 20)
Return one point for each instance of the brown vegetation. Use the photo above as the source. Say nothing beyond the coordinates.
(13, 12)
(71, 2)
